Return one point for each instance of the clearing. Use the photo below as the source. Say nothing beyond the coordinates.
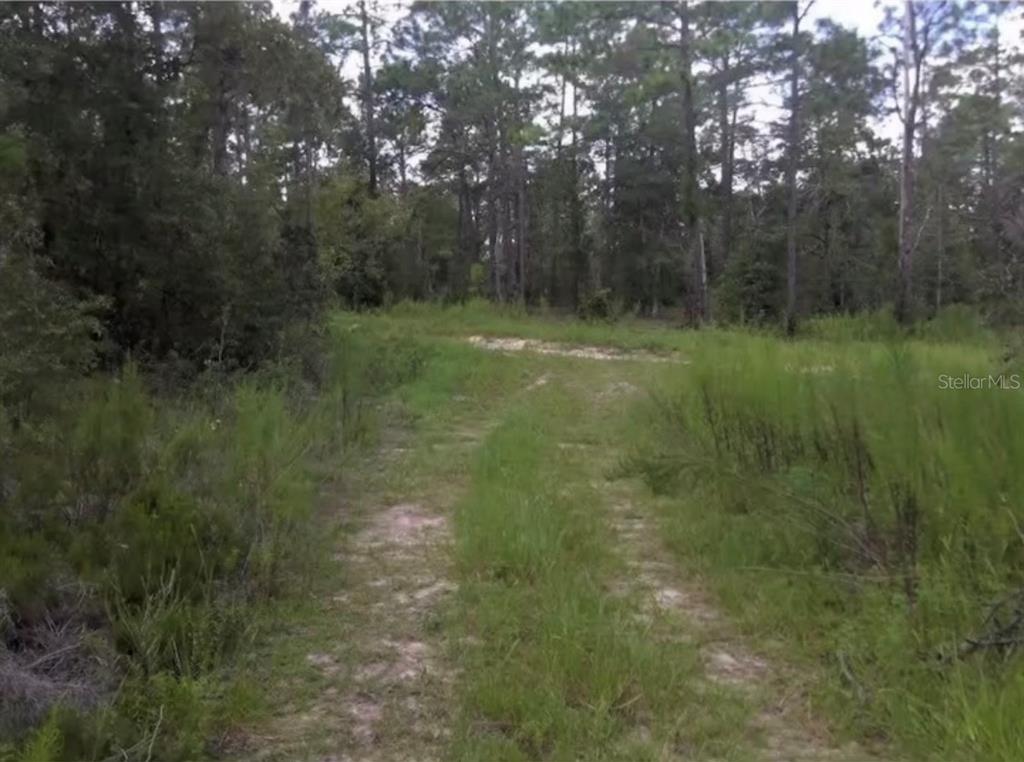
(499, 591)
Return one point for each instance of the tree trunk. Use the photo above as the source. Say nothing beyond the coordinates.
(497, 230)
(492, 226)
(368, 105)
(704, 276)
(459, 275)
(221, 126)
(403, 180)
(505, 236)
(940, 249)
(521, 224)
(726, 119)
(910, 103)
(585, 271)
(688, 195)
(792, 150)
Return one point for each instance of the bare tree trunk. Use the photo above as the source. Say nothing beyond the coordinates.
(368, 105)
(910, 103)
(688, 195)
(521, 224)
(704, 276)
(792, 150)
(505, 274)
(555, 208)
(459, 276)
(492, 226)
(727, 125)
(583, 264)
(403, 180)
(221, 127)
(497, 230)
(940, 248)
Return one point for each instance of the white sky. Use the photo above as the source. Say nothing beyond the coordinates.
(864, 16)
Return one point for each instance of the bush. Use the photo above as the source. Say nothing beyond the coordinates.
(597, 305)
(146, 529)
(47, 337)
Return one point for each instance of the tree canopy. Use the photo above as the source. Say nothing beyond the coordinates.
(189, 178)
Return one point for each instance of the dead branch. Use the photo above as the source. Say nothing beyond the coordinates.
(1002, 629)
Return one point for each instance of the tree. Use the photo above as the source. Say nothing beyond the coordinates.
(367, 28)
(923, 27)
(792, 152)
(689, 191)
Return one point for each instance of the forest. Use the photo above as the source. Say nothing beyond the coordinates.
(593, 156)
(656, 362)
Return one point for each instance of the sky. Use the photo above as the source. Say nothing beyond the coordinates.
(865, 16)
(859, 14)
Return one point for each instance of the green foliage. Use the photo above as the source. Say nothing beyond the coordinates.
(108, 439)
(159, 525)
(46, 336)
(866, 326)
(845, 495)
(355, 233)
(45, 745)
(750, 292)
(954, 324)
(597, 305)
(558, 668)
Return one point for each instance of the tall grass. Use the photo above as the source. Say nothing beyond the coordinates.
(955, 324)
(142, 532)
(846, 497)
(486, 318)
(552, 666)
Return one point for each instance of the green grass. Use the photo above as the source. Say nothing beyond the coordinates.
(854, 518)
(838, 499)
(166, 528)
(485, 319)
(450, 399)
(754, 443)
(553, 666)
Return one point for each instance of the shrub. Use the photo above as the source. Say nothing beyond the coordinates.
(597, 305)
(147, 528)
(47, 337)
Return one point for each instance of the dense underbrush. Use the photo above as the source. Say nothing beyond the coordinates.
(144, 528)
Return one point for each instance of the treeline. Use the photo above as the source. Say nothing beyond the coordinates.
(191, 178)
(169, 176)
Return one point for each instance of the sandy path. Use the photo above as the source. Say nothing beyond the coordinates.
(383, 687)
(678, 607)
(392, 706)
(536, 346)
(368, 679)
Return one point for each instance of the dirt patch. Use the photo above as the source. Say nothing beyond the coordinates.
(506, 344)
(366, 715)
(739, 669)
(619, 389)
(405, 524)
(382, 685)
(541, 381)
(656, 582)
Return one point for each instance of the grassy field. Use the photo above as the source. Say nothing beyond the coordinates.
(845, 500)
(852, 511)
(560, 668)
(763, 548)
